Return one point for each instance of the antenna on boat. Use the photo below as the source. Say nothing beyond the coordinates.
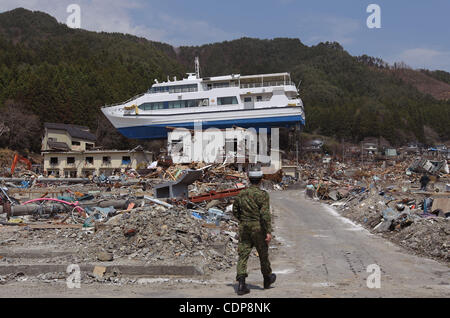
(197, 67)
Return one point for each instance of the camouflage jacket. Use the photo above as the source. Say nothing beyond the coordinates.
(253, 205)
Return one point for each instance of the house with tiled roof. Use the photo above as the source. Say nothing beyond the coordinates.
(65, 137)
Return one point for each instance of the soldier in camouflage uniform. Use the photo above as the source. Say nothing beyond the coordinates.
(252, 209)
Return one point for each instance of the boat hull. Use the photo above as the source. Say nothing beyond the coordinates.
(158, 131)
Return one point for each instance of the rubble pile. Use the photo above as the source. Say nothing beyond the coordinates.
(153, 235)
(388, 200)
(121, 220)
(171, 214)
(160, 236)
(428, 235)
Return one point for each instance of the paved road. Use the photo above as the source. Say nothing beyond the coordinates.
(322, 255)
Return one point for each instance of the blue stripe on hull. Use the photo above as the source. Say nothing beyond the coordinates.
(160, 131)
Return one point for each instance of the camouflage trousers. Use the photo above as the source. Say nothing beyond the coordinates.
(251, 235)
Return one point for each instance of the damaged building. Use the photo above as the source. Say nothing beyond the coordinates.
(69, 151)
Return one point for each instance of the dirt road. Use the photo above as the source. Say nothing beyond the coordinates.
(322, 255)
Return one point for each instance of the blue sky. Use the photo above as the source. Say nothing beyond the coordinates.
(415, 32)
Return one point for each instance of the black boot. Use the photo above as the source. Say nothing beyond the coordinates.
(242, 288)
(269, 280)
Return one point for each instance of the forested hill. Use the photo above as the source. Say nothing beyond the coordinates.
(66, 75)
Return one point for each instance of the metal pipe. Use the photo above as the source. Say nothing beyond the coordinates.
(117, 204)
(167, 205)
(21, 210)
(70, 180)
(48, 180)
(12, 179)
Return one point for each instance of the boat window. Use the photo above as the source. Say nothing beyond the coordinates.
(175, 89)
(176, 104)
(231, 100)
(161, 89)
(184, 103)
(258, 98)
(151, 106)
(247, 99)
(220, 85)
(183, 88)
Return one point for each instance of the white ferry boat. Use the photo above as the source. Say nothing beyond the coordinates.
(259, 101)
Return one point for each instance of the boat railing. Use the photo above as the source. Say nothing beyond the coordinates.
(131, 99)
(175, 90)
(221, 86)
(267, 84)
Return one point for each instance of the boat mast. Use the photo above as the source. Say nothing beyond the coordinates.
(197, 67)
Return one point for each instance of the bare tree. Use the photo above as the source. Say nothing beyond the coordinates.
(19, 129)
(3, 128)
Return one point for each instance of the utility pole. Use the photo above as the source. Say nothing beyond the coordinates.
(197, 67)
(362, 153)
(297, 137)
